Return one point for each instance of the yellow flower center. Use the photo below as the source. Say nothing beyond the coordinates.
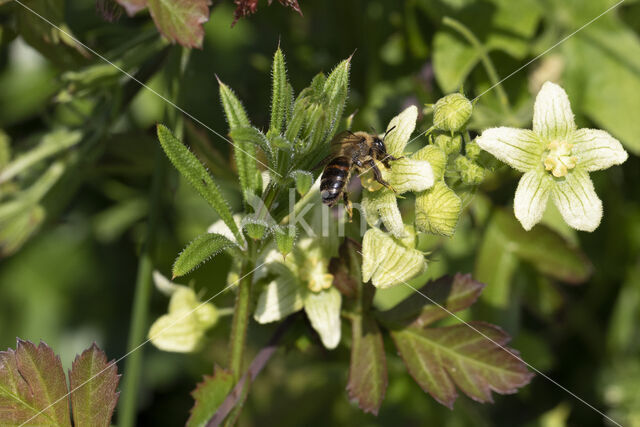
(559, 159)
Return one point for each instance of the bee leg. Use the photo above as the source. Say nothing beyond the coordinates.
(347, 205)
(378, 175)
(389, 157)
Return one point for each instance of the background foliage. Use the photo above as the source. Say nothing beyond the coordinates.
(71, 239)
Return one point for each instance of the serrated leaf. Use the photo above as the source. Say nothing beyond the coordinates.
(280, 96)
(244, 150)
(434, 301)
(368, 367)
(32, 379)
(181, 20)
(194, 172)
(208, 396)
(93, 383)
(439, 359)
(198, 251)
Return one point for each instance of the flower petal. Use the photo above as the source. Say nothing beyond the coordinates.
(519, 148)
(386, 262)
(577, 201)
(382, 204)
(531, 197)
(177, 333)
(323, 311)
(438, 210)
(405, 124)
(411, 175)
(597, 150)
(279, 298)
(552, 115)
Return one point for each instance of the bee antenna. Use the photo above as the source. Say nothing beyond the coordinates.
(387, 133)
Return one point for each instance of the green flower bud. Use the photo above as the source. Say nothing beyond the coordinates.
(255, 229)
(450, 144)
(285, 238)
(470, 172)
(452, 112)
(472, 150)
(435, 156)
(438, 210)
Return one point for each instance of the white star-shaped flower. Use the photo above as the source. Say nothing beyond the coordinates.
(556, 159)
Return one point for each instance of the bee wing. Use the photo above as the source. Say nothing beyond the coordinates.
(345, 137)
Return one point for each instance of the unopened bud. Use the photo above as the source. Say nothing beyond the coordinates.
(452, 112)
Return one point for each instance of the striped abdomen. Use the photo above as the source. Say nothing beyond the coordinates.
(334, 179)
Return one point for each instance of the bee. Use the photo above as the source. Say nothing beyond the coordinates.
(351, 150)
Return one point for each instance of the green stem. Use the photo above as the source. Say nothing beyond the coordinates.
(139, 323)
(484, 57)
(240, 322)
(137, 332)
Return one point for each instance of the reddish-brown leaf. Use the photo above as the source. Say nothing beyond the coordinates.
(249, 7)
(93, 383)
(434, 301)
(181, 21)
(368, 367)
(32, 379)
(472, 357)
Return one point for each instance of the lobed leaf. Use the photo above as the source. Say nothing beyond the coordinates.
(434, 301)
(368, 367)
(208, 396)
(194, 172)
(470, 356)
(93, 383)
(181, 20)
(198, 251)
(32, 379)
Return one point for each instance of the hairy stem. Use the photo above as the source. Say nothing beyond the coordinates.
(484, 57)
(240, 323)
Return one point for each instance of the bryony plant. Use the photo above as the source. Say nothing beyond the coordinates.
(331, 276)
(556, 158)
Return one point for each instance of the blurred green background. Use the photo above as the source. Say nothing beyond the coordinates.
(69, 254)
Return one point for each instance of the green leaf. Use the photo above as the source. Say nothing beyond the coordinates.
(439, 359)
(250, 136)
(335, 91)
(208, 396)
(32, 379)
(194, 172)
(281, 96)
(180, 20)
(93, 383)
(368, 367)
(244, 149)
(607, 94)
(434, 301)
(542, 247)
(233, 109)
(200, 250)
